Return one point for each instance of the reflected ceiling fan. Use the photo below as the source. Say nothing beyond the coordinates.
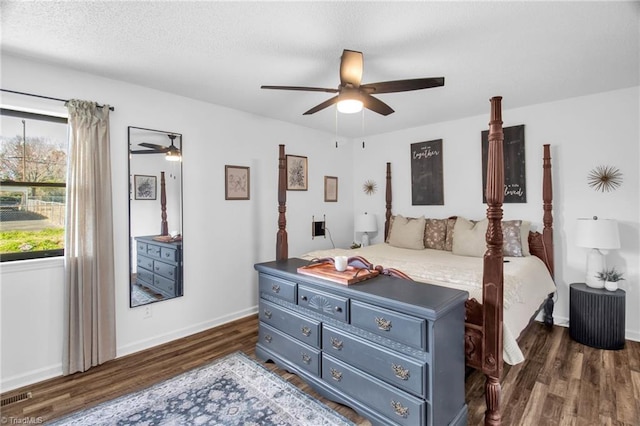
(352, 95)
(171, 151)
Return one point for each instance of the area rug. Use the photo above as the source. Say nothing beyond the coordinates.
(234, 390)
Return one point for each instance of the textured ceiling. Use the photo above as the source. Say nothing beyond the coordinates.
(221, 52)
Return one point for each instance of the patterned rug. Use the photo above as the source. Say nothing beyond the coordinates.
(234, 390)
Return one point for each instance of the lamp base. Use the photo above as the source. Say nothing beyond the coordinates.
(595, 264)
(365, 239)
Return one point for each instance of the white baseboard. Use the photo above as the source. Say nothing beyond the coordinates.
(31, 377)
(178, 334)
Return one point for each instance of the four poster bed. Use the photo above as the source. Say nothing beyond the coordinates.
(493, 323)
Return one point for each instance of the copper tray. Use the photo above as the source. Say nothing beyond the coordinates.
(327, 271)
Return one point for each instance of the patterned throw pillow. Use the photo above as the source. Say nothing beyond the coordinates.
(512, 245)
(435, 234)
(448, 242)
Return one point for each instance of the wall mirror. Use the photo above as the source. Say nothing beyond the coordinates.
(155, 215)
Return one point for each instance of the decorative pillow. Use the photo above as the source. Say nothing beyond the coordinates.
(407, 233)
(525, 228)
(448, 242)
(435, 233)
(511, 234)
(469, 237)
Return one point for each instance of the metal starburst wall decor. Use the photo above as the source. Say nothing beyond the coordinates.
(605, 178)
(369, 187)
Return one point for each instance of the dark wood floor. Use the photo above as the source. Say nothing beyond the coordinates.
(561, 382)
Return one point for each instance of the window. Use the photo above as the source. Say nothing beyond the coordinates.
(33, 167)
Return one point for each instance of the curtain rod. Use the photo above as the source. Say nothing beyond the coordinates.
(46, 97)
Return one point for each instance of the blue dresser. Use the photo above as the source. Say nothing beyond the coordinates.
(393, 350)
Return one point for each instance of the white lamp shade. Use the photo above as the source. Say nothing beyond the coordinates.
(598, 233)
(366, 223)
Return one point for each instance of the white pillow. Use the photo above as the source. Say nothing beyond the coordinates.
(407, 233)
(470, 238)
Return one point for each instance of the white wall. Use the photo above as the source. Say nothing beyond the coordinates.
(584, 132)
(222, 239)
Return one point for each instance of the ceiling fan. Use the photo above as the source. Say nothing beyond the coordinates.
(352, 96)
(171, 150)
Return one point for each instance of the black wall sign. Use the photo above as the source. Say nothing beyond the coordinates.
(515, 179)
(427, 187)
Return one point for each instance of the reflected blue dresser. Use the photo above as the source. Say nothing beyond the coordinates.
(159, 266)
(391, 349)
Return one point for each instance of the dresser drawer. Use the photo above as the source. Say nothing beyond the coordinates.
(169, 254)
(277, 287)
(304, 329)
(393, 325)
(167, 270)
(325, 303)
(398, 406)
(393, 368)
(141, 247)
(144, 262)
(153, 251)
(164, 285)
(144, 277)
(300, 354)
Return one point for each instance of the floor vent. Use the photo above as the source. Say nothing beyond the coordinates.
(15, 398)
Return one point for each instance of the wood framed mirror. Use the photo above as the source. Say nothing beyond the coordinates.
(155, 216)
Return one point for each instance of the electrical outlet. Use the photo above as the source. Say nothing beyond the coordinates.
(147, 312)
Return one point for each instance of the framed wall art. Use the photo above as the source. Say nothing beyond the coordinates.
(330, 189)
(297, 173)
(427, 184)
(236, 183)
(144, 187)
(515, 177)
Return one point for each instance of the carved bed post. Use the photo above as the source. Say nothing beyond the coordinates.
(547, 218)
(164, 226)
(388, 199)
(493, 277)
(282, 245)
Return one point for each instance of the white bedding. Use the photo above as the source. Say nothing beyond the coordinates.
(526, 281)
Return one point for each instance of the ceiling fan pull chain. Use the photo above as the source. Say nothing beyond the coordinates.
(336, 123)
(363, 129)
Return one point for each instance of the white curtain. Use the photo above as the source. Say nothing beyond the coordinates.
(90, 337)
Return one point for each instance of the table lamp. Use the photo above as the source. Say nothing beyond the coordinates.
(366, 223)
(600, 235)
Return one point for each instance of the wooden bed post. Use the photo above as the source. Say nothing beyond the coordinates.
(388, 199)
(164, 226)
(547, 218)
(282, 245)
(493, 276)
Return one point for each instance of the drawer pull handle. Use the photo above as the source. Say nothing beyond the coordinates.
(303, 298)
(336, 343)
(306, 331)
(275, 288)
(400, 410)
(268, 313)
(383, 324)
(306, 358)
(268, 338)
(336, 375)
(400, 372)
(337, 309)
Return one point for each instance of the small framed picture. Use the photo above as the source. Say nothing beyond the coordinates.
(236, 183)
(330, 189)
(296, 173)
(144, 187)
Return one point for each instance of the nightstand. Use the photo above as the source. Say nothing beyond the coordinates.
(597, 316)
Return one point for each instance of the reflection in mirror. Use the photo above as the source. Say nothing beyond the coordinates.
(155, 215)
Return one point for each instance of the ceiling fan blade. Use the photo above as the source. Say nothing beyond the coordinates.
(322, 106)
(375, 105)
(152, 145)
(145, 151)
(403, 85)
(351, 65)
(305, 89)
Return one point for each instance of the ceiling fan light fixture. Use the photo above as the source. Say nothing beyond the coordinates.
(173, 156)
(349, 106)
